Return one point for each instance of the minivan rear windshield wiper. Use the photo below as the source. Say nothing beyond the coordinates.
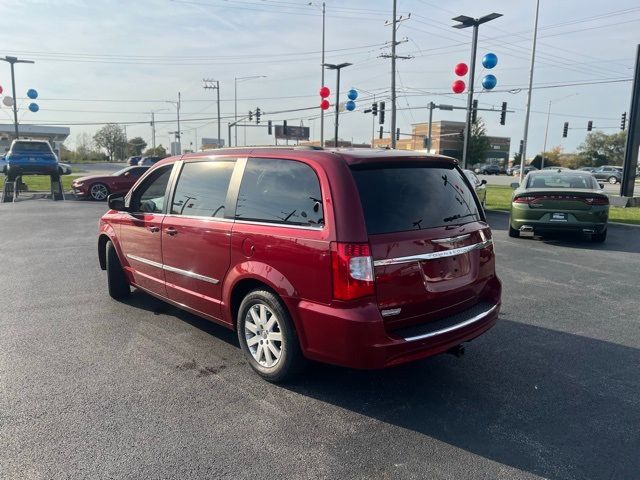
(457, 216)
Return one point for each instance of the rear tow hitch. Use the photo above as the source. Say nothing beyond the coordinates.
(457, 351)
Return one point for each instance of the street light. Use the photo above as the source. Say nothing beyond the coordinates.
(153, 127)
(178, 133)
(235, 102)
(466, 22)
(337, 68)
(12, 61)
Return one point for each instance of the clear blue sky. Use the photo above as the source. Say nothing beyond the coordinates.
(115, 61)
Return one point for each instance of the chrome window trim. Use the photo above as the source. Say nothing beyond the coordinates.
(197, 217)
(169, 268)
(283, 225)
(457, 326)
(432, 255)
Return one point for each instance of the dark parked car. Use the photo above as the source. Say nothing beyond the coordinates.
(148, 161)
(527, 168)
(609, 174)
(488, 170)
(365, 259)
(98, 187)
(132, 161)
(480, 186)
(560, 201)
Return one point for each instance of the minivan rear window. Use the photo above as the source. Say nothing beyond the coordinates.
(402, 198)
(36, 147)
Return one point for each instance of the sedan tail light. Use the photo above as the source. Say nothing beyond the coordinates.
(352, 270)
(597, 200)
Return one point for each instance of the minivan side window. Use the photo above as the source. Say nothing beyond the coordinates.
(280, 191)
(202, 188)
(149, 197)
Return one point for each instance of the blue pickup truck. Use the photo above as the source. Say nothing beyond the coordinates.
(30, 157)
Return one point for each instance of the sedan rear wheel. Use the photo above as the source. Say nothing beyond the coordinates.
(98, 191)
(613, 180)
(599, 237)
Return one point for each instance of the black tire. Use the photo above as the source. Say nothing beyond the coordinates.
(119, 287)
(513, 232)
(599, 237)
(101, 191)
(291, 361)
(612, 180)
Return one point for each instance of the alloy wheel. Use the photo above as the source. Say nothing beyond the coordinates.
(99, 191)
(263, 335)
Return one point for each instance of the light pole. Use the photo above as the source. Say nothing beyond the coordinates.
(466, 22)
(546, 130)
(235, 103)
(153, 127)
(528, 112)
(12, 61)
(337, 68)
(208, 84)
(178, 133)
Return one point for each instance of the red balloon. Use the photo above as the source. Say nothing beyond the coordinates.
(324, 92)
(324, 104)
(461, 69)
(0, 88)
(458, 86)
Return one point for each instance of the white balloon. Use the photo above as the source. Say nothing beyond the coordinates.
(8, 101)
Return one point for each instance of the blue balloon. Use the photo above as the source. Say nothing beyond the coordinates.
(34, 107)
(489, 81)
(32, 94)
(350, 105)
(490, 60)
(352, 94)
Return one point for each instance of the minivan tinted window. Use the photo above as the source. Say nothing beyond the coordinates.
(280, 191)
(401, 198)
(202, 189)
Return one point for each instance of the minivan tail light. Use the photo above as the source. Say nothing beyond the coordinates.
(352, 270)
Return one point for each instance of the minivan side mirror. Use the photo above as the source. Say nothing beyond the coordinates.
(116, 202)
(515, 185)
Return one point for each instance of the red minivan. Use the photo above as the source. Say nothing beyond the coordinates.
(360, 258)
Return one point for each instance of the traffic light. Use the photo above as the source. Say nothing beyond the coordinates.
(381, 120)
(623, 121)
(269, 127)
(250, 115)
(284, 128)
(397, 134)
(503, 114)
(374, 109)
(258, 113)
(589, 125)
(565, 130)
(474, 111)
(381, 127)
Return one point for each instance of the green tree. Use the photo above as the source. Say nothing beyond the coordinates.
(479, 144)
(159, 151)
(602, 149)
(517, 157)
(135, 146)
(112, 139)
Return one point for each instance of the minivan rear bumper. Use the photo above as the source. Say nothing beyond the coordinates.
(357, 338)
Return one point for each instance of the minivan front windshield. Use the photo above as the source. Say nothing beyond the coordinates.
(397, 198)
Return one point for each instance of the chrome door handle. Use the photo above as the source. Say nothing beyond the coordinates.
(171, 231)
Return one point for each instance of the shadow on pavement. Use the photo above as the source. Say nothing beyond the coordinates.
(550, 403)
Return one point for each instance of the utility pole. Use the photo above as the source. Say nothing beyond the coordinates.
(209, 84)
(153, 131)
(466, 22)
(394, 30)
(526, 116)
(235, 103)
(546, 132)
(12, 61)
(429, 143)
(179, 134)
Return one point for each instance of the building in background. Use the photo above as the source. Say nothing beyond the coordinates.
(210, 143)
(447, 141)
(54, 135)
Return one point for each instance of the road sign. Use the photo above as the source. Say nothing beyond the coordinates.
(293, 133)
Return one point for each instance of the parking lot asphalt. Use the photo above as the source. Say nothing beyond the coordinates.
(93, 388)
